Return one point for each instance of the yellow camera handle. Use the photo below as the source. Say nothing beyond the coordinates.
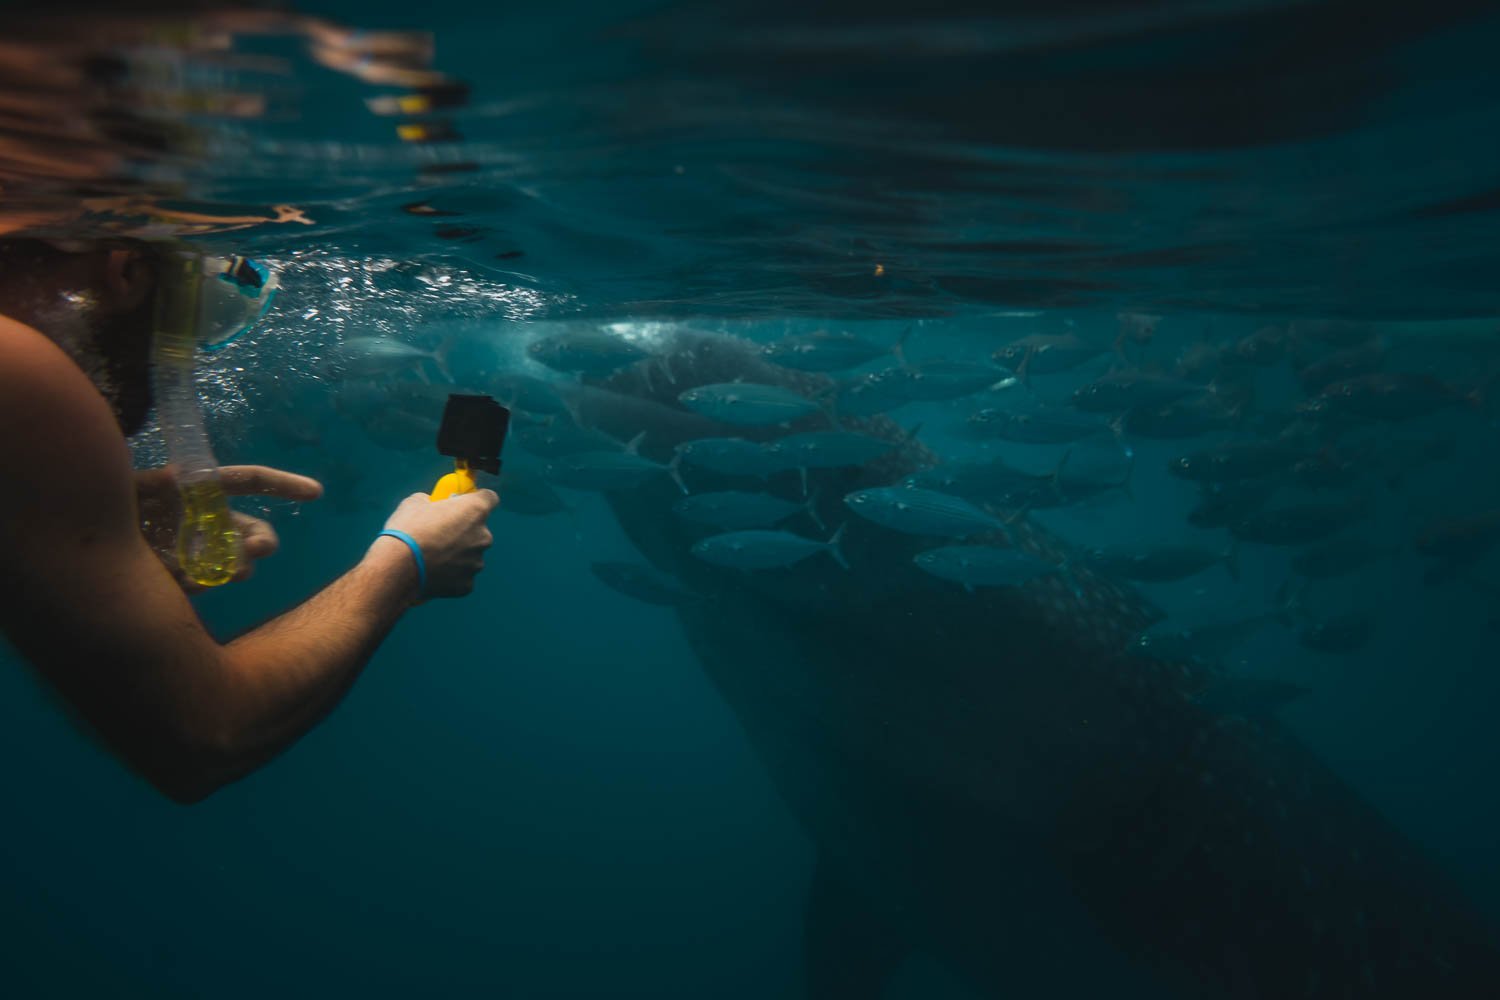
(460, 480)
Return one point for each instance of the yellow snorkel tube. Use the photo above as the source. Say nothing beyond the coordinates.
(198, 302)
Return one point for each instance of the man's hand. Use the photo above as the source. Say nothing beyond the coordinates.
(452, 536)
(161, 512)
(85, 599)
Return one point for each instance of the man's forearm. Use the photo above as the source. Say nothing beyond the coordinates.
(290, 672)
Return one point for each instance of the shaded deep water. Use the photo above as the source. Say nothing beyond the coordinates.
(1262, 232)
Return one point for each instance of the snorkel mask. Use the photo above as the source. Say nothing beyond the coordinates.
(202, 302)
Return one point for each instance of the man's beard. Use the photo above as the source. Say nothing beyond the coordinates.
(114, 351)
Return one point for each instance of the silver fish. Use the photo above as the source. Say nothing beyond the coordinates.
(824, 351)
(1240, 460)
(749, 550)
(561, 437)
(982, 565)
(873, 392)
(826, 450)
(398, 430)
(1040, 425)
(1249, 697)
(915, 511)
(640, 582)
(982, 482)
(936, 381)
(1338, 557)
(1161, 563)
(748, 404)
(1298, 524)
(1124, 390)
(1345, 633)
(1046, 354)
(374, 356)
(1209, 643)
(734, 510)
(1388, 396)
(730, 457)
(525, 392)
(609, 471)
(941, 380)
(584, 352)
(529, 496)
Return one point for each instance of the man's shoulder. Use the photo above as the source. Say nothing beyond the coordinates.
(47, 403)
(32, 367)
(27, 355)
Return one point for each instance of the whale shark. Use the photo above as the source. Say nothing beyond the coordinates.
(989, 778)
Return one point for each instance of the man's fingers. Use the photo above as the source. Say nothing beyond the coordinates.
(258, 537)
(261, 481)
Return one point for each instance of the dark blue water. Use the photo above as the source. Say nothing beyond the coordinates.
(541, 791)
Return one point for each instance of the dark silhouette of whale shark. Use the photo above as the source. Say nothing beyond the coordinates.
(990, 778)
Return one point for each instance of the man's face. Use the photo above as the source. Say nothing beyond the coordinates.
(97, 306)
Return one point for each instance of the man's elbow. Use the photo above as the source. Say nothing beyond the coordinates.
(184, 791)
(194, 765)
(186, 779)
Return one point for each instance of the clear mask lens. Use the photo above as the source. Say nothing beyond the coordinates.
(234, 296)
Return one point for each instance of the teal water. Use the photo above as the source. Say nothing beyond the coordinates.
(551, 790)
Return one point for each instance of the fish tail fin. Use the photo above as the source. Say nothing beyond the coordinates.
(1011, 517)
(1242, 403)
(1067, 568)
(674, 469)
(1483, 394)
(573, 406)
(442, 355)
(1056, 478)
(1023, 370)
(811, 506)
(1062, 463)
(1075, 586)
(803, 472)
(1232, 560)
(827, 399)
(633, 446)
(899, 347)
(833, 546)
(1002, 520)
(1289, 603)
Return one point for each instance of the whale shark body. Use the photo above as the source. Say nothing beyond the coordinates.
(989, 777)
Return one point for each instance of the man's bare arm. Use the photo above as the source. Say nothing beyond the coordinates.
(85, 599)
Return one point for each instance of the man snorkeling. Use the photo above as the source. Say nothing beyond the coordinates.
(91, 337)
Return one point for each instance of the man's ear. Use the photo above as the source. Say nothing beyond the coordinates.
(128, 278)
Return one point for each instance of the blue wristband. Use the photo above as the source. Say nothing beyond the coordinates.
(416, 551)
